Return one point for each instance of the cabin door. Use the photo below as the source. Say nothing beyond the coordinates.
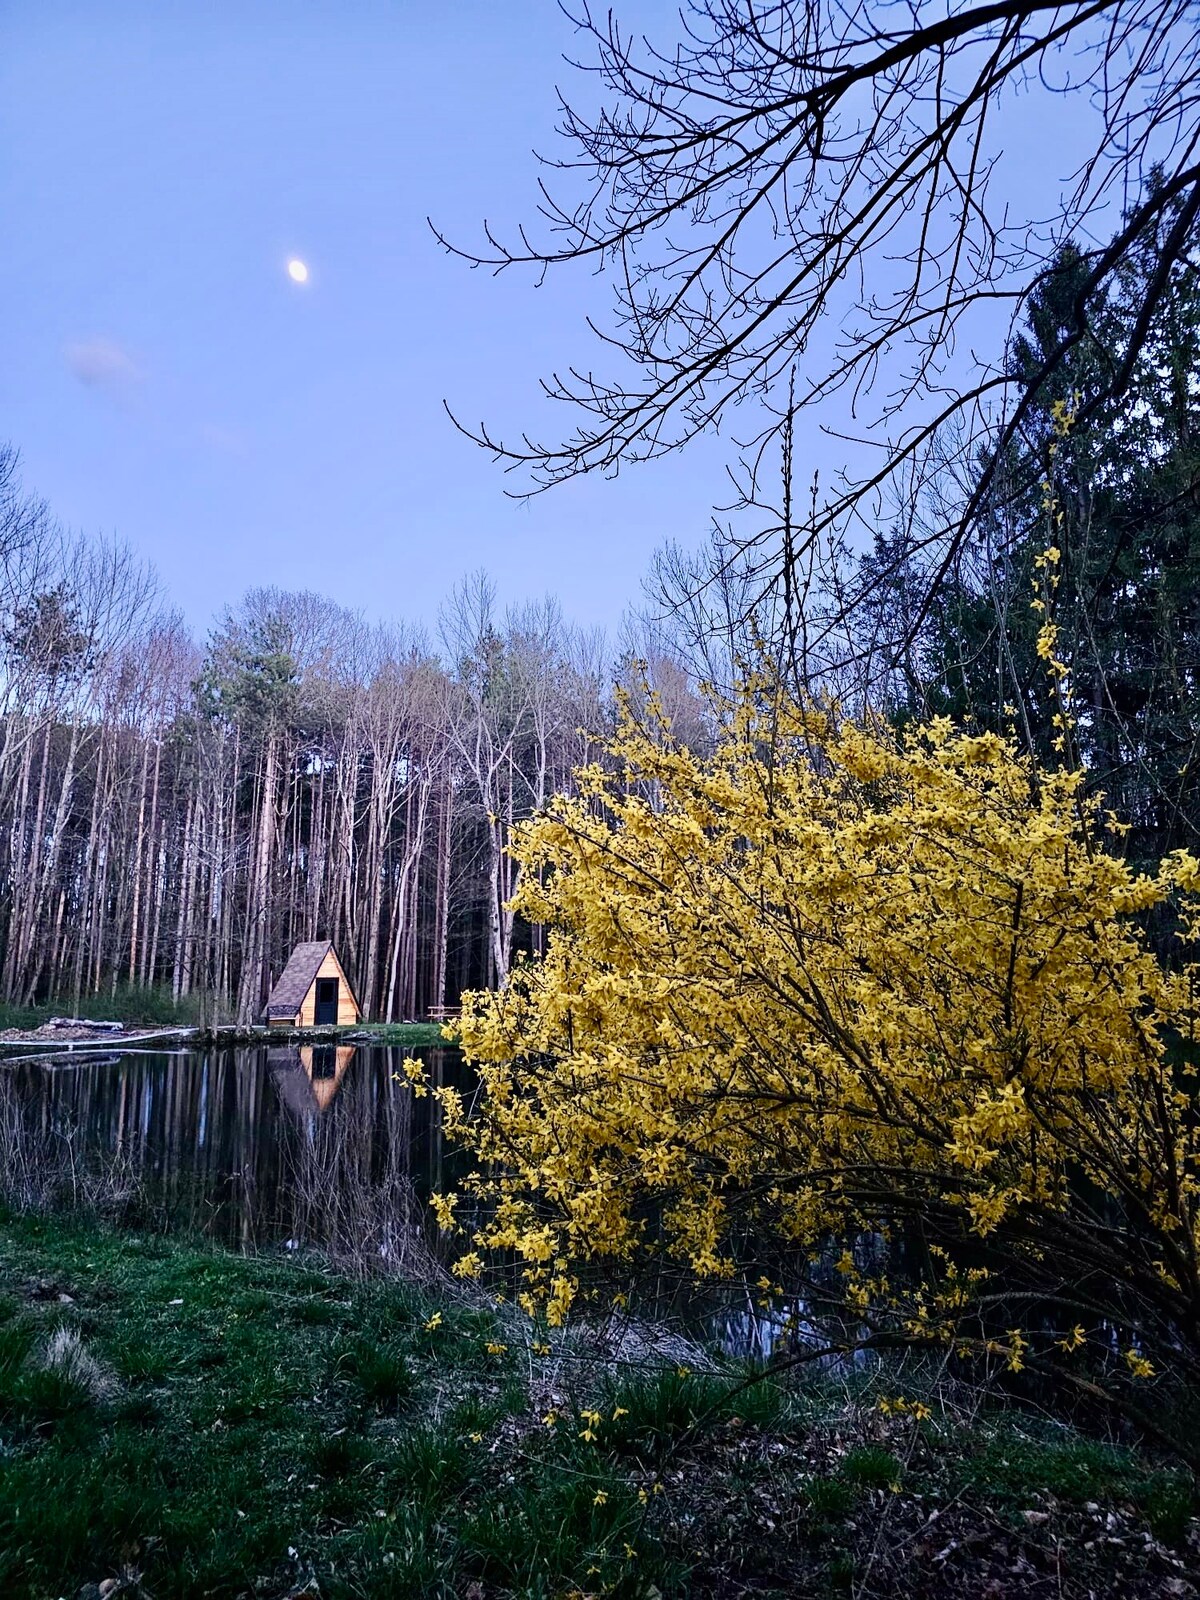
(327, 1001)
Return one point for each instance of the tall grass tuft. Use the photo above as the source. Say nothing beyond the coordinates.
(78, 1370)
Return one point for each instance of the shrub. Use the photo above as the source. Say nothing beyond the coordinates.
(832, 980)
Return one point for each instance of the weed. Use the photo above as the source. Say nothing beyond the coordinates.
(829, 1499)
(1169, 1505)
(840, 1570)
(77, 1368)
(381, 1372)
(428, 1465)
(337, 1455)
(647, 1414)
(316, 1313)
(403, 1556)
(552, 1529)
(871, 1467)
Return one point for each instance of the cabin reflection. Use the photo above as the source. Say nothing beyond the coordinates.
(308, 1077)
(324, 1144)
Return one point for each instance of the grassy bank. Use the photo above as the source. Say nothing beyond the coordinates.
(412, 1035)
(137, 1008)
(194, 1423)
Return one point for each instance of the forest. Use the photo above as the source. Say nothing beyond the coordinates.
(176, 815)
(803, 1197)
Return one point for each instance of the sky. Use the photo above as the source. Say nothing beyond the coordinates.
(167, 382)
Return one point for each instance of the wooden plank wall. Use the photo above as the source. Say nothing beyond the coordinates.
(347, 1015)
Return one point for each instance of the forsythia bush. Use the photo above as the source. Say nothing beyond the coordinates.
(830, 981)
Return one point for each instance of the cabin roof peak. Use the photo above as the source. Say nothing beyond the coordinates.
(298, 976)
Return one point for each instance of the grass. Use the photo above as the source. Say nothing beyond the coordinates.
(153, 1007)
(266, 1422)
(135, 1007)
(198, 1423)
(870, 1466)
(418, 1035)
(648, 1415)
(1009, 1464)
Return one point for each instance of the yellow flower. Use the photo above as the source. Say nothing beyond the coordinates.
(1138, 1365)
(414, 1071)
(592, 1420)
(818, 964)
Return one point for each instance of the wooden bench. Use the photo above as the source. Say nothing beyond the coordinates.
(444, 1013)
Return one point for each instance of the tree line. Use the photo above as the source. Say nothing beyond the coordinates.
(177, 816)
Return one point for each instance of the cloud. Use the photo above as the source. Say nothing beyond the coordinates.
(105, 365)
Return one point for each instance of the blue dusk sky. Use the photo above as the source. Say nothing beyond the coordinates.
(166, 381)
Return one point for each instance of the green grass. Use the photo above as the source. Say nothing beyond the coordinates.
(648, 1415)
(871, 1467)
(135, 1007)
(224, 1427)
(1010, 1464)
(261, 1408)
(148, 1008)
(417, 1035)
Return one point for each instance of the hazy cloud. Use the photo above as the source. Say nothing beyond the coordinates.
(104, 364)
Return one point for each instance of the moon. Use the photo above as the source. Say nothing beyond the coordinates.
(297, 271)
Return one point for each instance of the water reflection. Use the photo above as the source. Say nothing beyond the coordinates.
(324, 1145)
(308, 1077)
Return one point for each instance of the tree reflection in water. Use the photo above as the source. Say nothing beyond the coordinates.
(315, 1145)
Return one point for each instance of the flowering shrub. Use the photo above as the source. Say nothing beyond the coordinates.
(831, 981)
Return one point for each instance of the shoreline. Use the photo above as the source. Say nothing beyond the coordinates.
(427, 1035)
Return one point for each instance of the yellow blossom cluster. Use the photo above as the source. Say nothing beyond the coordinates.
(822, 979)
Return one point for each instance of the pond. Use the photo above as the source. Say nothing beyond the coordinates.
(305, 1147)
(302, 1145)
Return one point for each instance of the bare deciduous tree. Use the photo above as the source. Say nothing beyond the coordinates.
(801, 165)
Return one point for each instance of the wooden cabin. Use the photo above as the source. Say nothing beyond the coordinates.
(313, 991)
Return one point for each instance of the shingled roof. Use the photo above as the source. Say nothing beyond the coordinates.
(296, 979)
(293, 1083)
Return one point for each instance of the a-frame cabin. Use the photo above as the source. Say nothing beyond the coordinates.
(313, 991)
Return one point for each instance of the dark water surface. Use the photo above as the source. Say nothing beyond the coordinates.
(325, 1147)
(315, 1145)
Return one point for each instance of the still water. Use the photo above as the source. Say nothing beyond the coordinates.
(324, 1145)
